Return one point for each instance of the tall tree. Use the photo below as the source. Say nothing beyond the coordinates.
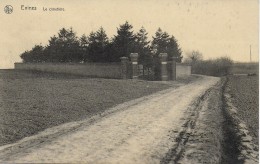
(163, 43)
(65, 47)
(84, 43)
(124, 41)
(143, 48)
(34, 55)
(98, 44)
(159, 42)
(174, 50)
(52, 50)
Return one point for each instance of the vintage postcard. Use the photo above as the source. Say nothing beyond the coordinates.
(129, 81)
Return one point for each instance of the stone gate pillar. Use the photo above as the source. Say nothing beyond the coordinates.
(124, 62)
(134, 59)
(174, 68)
(163, 61)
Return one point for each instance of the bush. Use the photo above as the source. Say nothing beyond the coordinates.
(218, 67)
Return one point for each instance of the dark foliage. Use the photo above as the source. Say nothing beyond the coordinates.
(124, 42)
(218, 67)
(164, 43)
(67, 47)
(34, 55)
(98, 46)
(143, 48)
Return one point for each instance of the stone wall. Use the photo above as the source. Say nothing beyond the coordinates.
(106, 70)
(126, 69)
(182, 70)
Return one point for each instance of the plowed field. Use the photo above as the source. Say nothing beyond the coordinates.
(32, 101)
(244, 91)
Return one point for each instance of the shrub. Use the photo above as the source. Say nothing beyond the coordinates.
(217, 67)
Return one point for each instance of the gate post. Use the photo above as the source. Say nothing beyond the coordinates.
(174, 68)
(124, 62)
(163, 62)
(134, 58)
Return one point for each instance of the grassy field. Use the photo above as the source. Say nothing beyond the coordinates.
(245, 94)
(31, 101)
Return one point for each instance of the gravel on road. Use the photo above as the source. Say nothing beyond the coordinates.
(142, 133)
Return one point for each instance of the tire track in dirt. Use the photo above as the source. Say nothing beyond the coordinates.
(239, 140)
(194, 143)
(138, 134)
(213, 132)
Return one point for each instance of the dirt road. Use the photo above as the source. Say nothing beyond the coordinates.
(142, 133)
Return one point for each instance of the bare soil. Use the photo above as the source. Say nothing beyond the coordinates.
(33, 101)
(244, 91)
(202, 138)
(240, 99)
(143, 132)
(195, 120)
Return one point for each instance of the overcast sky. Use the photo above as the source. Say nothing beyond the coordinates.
(214, 27)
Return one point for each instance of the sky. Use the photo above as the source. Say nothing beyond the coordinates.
(216, 28)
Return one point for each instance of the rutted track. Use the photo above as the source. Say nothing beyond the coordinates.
(213, 132)
(200, 140)
(140, 134)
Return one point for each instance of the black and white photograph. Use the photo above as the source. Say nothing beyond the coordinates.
(129, 81)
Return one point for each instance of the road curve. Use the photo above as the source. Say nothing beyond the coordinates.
(139, 134)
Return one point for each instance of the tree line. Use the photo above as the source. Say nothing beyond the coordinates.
(213, 67)
(97, 47)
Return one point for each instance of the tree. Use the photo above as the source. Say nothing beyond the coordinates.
(65, 47)
(84, 43)
(52, 50)
(123, 42)
(193, 57)
(214, 67)
(163, 43)
(26, 57)
(98, 45)
(173, 49)
(159, 42)
(143, 48)
(224, 65)
(34, 55)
